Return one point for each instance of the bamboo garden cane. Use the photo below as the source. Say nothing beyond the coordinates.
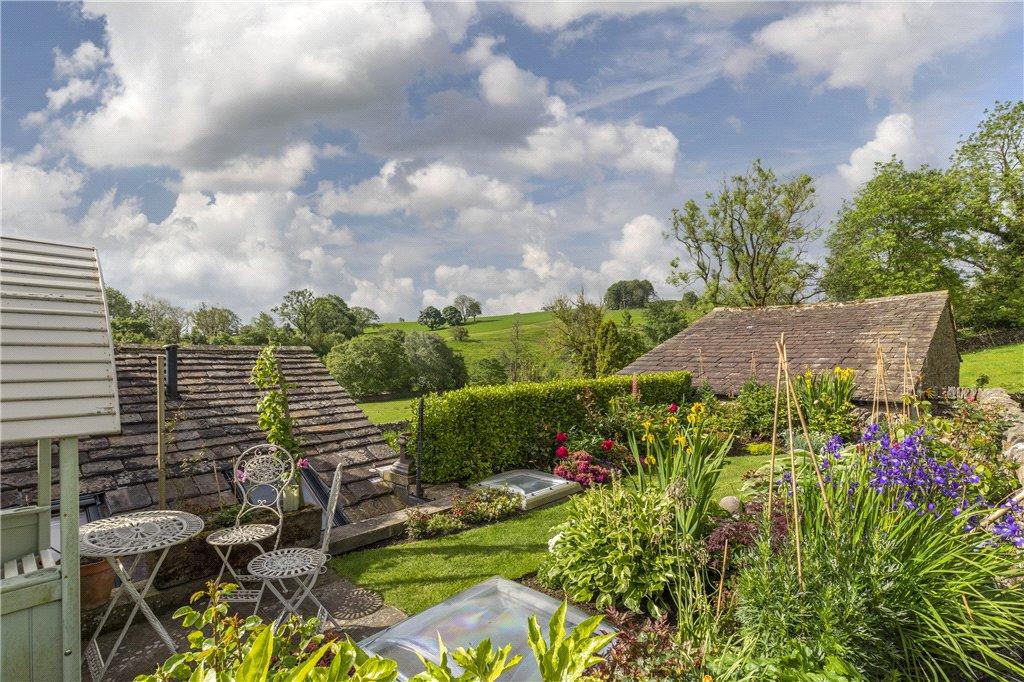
(807, 434)
(775, 432)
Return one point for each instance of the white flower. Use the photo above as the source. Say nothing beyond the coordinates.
(554, 541)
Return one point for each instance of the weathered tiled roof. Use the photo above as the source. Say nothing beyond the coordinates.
(214, 420)
(718, 347)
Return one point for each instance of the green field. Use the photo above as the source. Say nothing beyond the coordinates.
(1004, 366)
(487, 335)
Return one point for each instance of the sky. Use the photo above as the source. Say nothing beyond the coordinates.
(400, 154)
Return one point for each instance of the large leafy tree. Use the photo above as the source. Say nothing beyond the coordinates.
(960, 229)
(371, 364)
(664, 319)
(891, 238)
(321, 322)
(989, 165)
(435, 366)
(575, 331)
(632, 293)
(118, 304)
(452, 315)
(166, 320)
(468, 306)
(212, 324)
(431, 318)
(748, 245)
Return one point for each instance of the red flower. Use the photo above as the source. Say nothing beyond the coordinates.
(607, 444)
(673, 408)
(561, 452)
(561, 437)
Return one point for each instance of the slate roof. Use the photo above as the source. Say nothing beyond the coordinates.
(214, 421)
(719, 346)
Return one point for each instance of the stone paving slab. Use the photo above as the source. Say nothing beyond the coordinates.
(360, 612)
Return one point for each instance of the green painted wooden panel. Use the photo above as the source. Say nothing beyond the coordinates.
(19, 531)
(27, 644)
(27, 591)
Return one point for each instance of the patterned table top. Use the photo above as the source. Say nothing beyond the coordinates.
(137, 533)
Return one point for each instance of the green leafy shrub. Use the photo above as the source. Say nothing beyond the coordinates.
(476, 431)
(617, 548)
(756, 404)
(759, 449)
(479, 506)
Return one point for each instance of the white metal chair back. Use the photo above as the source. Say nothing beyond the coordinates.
(329, 510)
(262, 473)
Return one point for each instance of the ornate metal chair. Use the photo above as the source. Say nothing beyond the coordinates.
(261, 473)
(301, 564)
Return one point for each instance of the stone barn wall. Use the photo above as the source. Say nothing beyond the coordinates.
(942, 364)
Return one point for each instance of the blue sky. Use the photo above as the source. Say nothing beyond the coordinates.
(400, 154)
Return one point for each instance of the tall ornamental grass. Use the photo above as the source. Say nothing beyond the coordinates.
(890, 587)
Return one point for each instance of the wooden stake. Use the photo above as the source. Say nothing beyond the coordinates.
(161, 460)
(700, 365)
(753, 366)
(775, 430)
(807, 435)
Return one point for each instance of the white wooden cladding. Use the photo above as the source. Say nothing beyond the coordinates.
(57, 373)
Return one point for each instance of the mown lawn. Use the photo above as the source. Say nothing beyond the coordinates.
(413, 576)
(389, 411)
(1004, 366)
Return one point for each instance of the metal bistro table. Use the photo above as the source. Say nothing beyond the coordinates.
(132, 535)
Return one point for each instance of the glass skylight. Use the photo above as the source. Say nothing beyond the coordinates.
(496, 609)
(537, 488)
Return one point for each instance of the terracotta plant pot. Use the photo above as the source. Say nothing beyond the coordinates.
(97, 582)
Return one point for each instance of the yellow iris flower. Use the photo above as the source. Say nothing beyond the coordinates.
(650, 460)
(648, 437)
(679, 440)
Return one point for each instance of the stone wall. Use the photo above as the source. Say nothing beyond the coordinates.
(1003, 337)
(1013, 439)
(942, 364)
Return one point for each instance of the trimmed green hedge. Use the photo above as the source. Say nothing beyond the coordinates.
(474, 432)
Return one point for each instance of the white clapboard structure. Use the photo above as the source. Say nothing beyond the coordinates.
(57, 383)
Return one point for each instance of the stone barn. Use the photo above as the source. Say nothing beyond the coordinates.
(728, 345)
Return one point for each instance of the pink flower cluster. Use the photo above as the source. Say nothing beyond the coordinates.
(580, 466)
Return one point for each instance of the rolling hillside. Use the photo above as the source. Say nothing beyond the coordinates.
(486, 337)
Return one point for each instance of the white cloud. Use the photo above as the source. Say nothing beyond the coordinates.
(553, 16)
(388, 294)
(35, 198)
(86, 58)
(247, 172)
(503, 83)
(434, 191)
(637, 252)
(200, 85)
(735, 123)
(573, 143)
(875, 46)
(894, 136)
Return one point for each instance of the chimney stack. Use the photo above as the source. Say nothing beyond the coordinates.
(171, 351)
